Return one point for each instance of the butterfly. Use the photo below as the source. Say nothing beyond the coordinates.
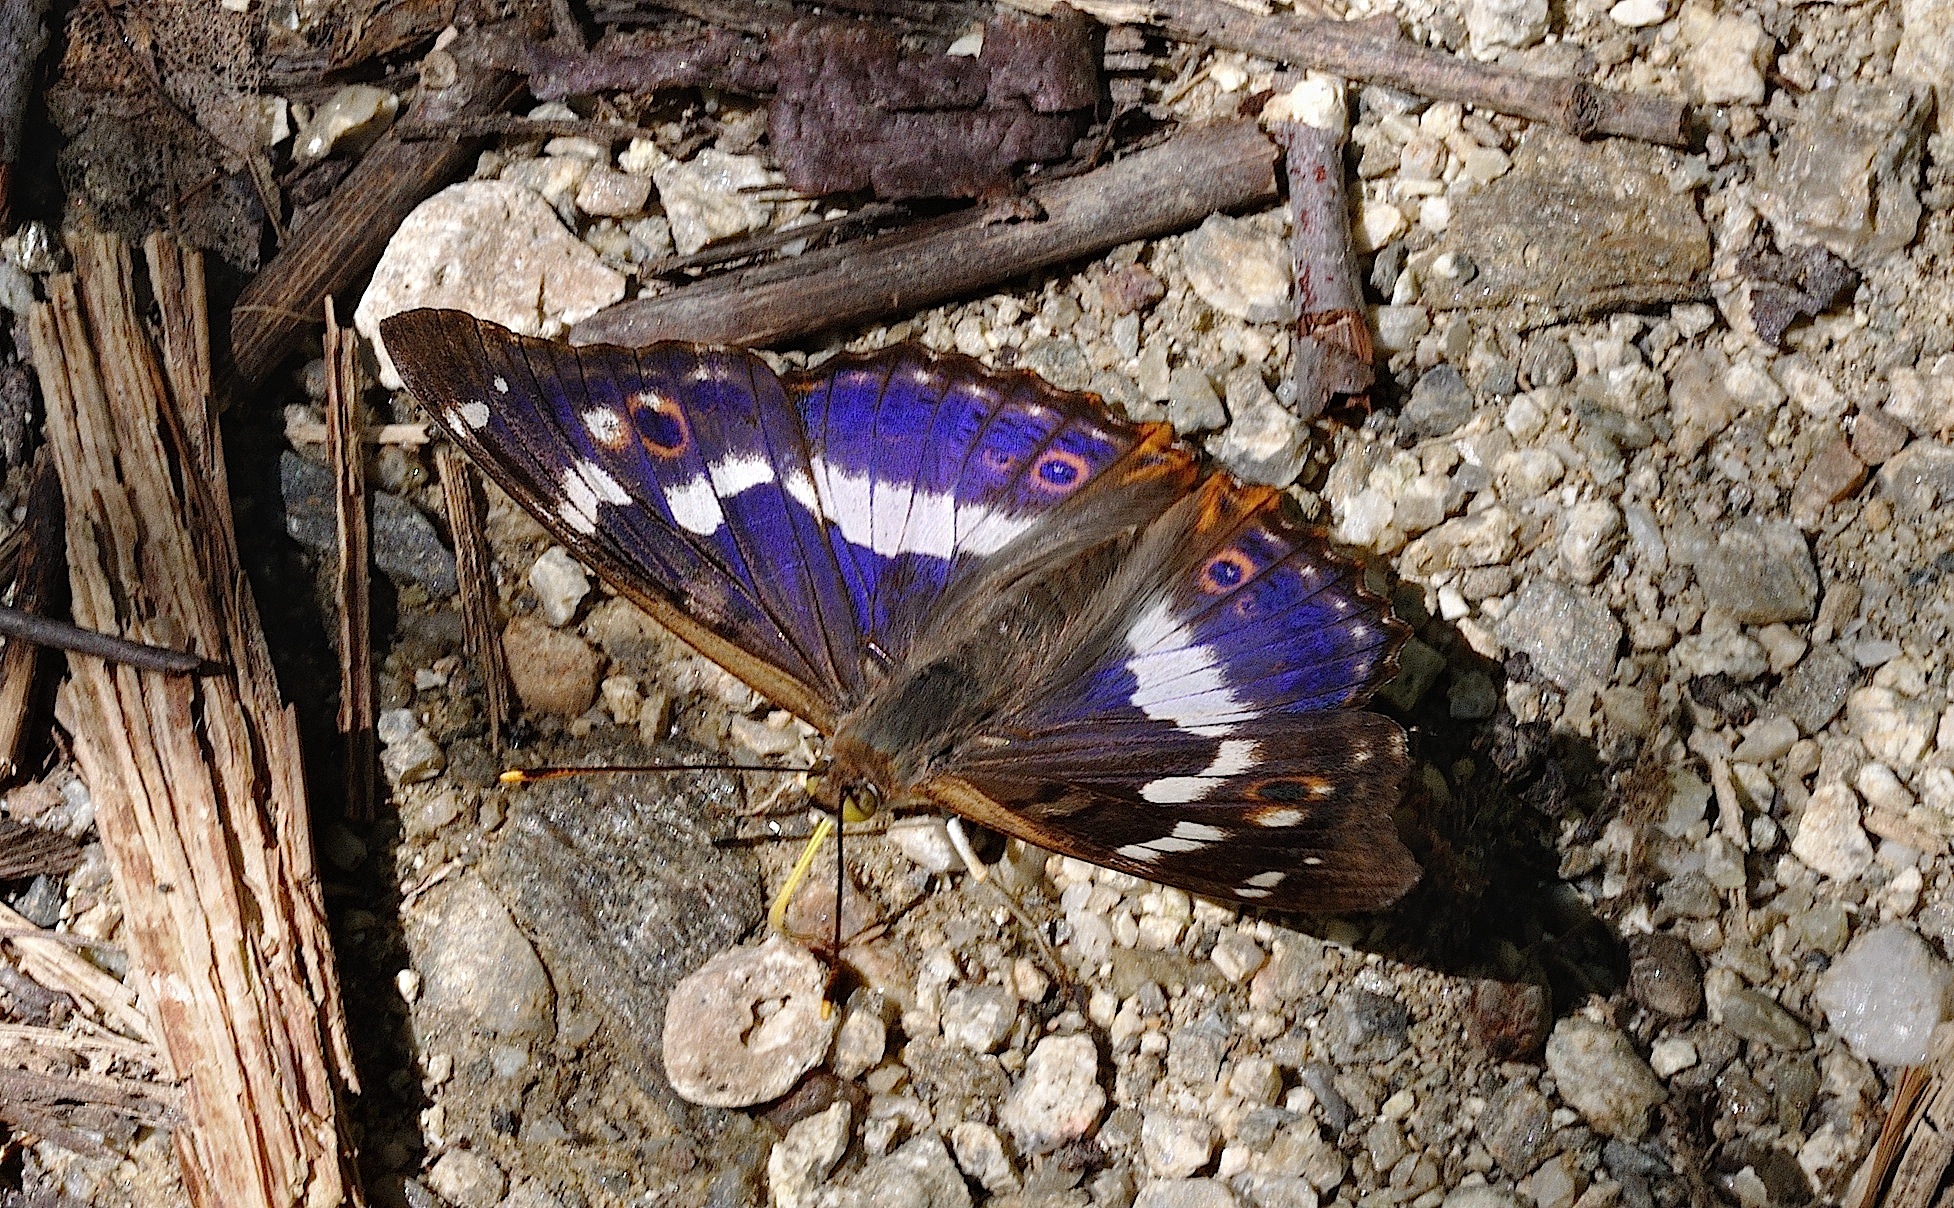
(989, 594)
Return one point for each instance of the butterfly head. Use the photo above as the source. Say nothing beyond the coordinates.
(845, 790)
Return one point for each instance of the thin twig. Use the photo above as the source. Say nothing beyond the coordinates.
(475, 572)
(46, 631)
(538, 127)
(351, 583)
(1332, 340)
(1356, 51)
(753, 245)
(1164, 188)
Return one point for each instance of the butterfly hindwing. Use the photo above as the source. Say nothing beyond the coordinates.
(609, 449)
(1296, 816)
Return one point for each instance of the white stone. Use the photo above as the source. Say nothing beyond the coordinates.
(802, 1159)
(495, 250)
(1894, 729)
(354, 115)
(1496, 25)
(1378, 223)
(1672, 1055)
(1727, 56)
(1590, 534)
(1638, 14)
(560, 583)
(1175, 1146)
(1599, 1072)
(703, 197)
(925, 839)
(1238, 269)
(1829, 837)
(1886, 994)
(1364, 518)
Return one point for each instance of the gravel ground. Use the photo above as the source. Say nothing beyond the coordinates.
(1655, 472)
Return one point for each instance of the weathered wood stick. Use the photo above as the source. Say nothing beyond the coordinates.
(1357, 52)
(36, 574)
(347, 455)
(1149, 193)
(340, 242)
(475, 572)
(197, 780)
(1333, 337)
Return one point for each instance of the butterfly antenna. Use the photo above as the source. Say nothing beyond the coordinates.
(980, 873)
(536, 775)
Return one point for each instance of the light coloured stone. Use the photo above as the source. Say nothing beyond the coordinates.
(560, 583)
(1599, 1072)
(800, 1160)
(1926, 52)
(353, 117)
(1727, 56)
(704, 201)
(1639, 14)
(1886, 995)
(1830, 838)
(1238, 269)
(745, 1026)
(493, 249)
(1496, 25)
(1058, 1098)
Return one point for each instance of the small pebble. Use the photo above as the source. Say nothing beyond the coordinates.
(466, 1179)
(1058, 1098)
(553, 671)
(1601, 1074)
(1665, 975)
(800, 1161)
(560, 583)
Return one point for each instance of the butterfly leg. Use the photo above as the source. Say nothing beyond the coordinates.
(980, 873)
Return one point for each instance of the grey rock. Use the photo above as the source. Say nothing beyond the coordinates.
(475, 966)
(1194, 1052)
(1816, 689)
(623, 885)
(1516, 1127)
(467, 1179)
(1846, 173)
(979, 1017)
(1279, 1191)
(1665, 975)
(1192, 404)
(1756, 1017)
(1919, 479)
(1440, 403)
(1570, 635)
(1058, 361)
(1576, 228)
(1365, 1026)
(1547, 361)
(1058, 1099)
(1265, 444)
(1601, 1075)
(408, 753)
(1760, 572)
(1186, 1193)
(919, 1175)
(405, 544)
(1419, 667)
(1494, 25)
(1481, 1196)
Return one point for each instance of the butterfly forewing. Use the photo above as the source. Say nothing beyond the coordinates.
(598, 444)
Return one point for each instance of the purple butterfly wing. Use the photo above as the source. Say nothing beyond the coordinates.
(673, 470)
(928, 465)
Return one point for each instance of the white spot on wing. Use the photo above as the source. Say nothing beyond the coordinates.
(1186, 837)
(604, 424)
(695, 506)
(1236, 756)
(890, 518)
(1267, 880)
(1177, 680)
(474, 415)
(501, 384)
(742, 472)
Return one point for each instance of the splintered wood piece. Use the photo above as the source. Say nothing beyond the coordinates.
(351, 582)
(1355, 51)
(51, 960)
(475, 571)
(199, 791)
(37, 562)
(341, 240)
(1909, 1165)
(1164, 188)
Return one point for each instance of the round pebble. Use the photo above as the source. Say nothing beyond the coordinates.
(1886, 994)
(1603, 1077)
(1058, 1099)
(747, 1025)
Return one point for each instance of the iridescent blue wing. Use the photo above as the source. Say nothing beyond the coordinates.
(929, 465)
(680, 474)
(1201, 733)
(1236, 613)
